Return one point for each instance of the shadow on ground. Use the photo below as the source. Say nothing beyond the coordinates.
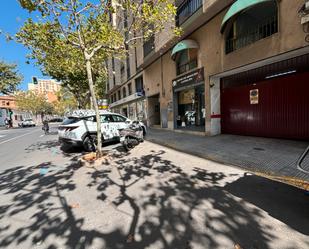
(176, 199)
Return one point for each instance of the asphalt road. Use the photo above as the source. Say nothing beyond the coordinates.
(152, 197)
(16, 145)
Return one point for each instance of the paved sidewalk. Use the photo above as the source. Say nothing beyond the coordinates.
(275, 157)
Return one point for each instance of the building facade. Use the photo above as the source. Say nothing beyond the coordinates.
(8, 110)
(46, 87)
(239, 67)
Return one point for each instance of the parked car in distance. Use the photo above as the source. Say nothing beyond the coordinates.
(27, 123)
(81, 130)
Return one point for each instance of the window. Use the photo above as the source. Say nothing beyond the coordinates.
(119, 95)
(129, 89)
(186, 61)
(124, 92)
(117, 118)
(113, 69)
(122, 71)
(139, 85)
(149, 45)
(128, 66)
(252, 25)
(186, 9)
(106, 119)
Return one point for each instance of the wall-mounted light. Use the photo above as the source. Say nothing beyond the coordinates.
(211, 85)
(280, 74)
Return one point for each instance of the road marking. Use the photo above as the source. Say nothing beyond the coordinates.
(2, 135)
(18, 137)
(42, 136)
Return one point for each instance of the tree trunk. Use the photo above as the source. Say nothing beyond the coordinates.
(95, 105)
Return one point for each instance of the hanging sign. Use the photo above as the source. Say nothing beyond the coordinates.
(254, 96)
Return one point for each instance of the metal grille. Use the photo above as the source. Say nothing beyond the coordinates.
(186, 67)
(261, 31)
(187, 9)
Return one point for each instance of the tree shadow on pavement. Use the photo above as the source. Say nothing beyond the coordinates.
(177, 197)
(281, 201)
(169, 207)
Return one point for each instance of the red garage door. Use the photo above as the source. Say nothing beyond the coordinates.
(280, 110)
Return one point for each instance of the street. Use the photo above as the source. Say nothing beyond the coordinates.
(151, 197)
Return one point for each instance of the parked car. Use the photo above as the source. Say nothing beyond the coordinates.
(27, 123)
(81, 130)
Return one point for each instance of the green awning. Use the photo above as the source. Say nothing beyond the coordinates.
(184, 44)
(237, 7)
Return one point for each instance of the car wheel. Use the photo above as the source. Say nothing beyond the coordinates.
(89, 144)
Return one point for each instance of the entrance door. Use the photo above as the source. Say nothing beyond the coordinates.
(279, 108)
(154, 110)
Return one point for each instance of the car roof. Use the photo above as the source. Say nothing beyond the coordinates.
(87, 113)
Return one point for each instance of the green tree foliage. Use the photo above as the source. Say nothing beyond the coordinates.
(34, 103)
(9, 78)
(65, 102)
(78, 36)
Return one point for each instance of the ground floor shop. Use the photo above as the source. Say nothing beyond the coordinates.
(189, 101)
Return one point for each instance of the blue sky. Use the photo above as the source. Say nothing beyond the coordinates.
(12, 17)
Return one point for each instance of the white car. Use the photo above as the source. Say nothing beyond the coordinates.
(81, 130)
(27, 123)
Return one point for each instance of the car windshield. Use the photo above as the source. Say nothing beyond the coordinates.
(70, 120)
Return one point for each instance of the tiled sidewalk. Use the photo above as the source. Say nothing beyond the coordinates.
(276, 157)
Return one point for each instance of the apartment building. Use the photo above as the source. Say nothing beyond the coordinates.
(46, 87)
(8, 110)
(239, 67)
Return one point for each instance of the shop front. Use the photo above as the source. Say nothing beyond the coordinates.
(189, 101)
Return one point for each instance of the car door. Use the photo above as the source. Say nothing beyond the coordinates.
(119, 122)
(107, 126)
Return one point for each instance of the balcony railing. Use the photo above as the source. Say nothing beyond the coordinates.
(186, 67)
(261, 31)
(187, 9)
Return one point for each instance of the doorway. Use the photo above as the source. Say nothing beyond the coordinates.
(154, 110)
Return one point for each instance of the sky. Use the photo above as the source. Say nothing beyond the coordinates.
(12, 17)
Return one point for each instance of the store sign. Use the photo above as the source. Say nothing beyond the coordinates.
(254, 96)
(190, 78)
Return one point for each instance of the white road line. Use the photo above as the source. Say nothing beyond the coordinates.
(3, 142)
(2, 136)
(42, 136)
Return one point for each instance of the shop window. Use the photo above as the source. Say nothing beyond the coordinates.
(129, 89)
(186, 60)
(191, 108)
(252, 25)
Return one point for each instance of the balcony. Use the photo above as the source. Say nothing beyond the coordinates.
(261, 31)
(186, 10)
